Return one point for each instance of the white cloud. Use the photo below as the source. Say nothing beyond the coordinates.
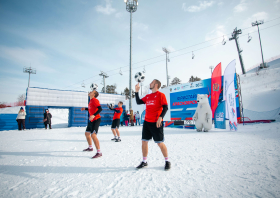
(25, 57)
(108, 9)
(202, 6)
(140, 38)
(171, 49)
(118, 15)
(219, 31)
(242, 6)
(140, 26)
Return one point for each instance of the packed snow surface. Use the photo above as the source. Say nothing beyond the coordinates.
(261, 92)
(220, 163)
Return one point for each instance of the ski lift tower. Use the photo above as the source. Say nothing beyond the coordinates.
(235, 37)
(104, 76)
(30, 71)
(257, 23)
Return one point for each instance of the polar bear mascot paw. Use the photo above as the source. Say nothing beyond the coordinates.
(203, 114)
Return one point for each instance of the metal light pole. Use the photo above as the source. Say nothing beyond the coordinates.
(30, 71)
(167, 53)
(257, 23)
(211, 67)
(131, 6)
(235, 37)
(104, 76)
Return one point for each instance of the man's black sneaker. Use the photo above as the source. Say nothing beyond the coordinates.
(142, 165)
(114, 139)
(118, 140)
(167, 166)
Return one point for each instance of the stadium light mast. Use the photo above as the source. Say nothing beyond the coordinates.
(235, 37)
(104, 76)
(167, 59)
(30, 71)
(257, 23)
(131, 6)
(211, 67)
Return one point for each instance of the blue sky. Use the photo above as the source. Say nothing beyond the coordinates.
(69, 41)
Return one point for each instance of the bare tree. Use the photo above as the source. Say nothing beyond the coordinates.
(110, 89)
(126, 93)
(175, 81)
(193, 79)
(163, 86)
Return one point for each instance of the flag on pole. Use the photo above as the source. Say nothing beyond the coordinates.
(231, 106)
(229, 75)
(216, 83)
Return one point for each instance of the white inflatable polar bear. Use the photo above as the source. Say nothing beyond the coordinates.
(203, 114)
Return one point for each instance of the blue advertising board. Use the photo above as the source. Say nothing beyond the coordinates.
(220, 120)
(183, 99)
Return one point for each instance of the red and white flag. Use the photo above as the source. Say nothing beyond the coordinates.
(216, 83)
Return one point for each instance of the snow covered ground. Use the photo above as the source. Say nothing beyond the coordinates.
(261, 92)
(50, 163)
(220, 163)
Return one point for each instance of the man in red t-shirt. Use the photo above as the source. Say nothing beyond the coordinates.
(94, 108)
(156, 108)
(116, 121)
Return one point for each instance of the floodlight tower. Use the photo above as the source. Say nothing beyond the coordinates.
(167, 58)
(235, 37)
(131, 6)
(104, 76)
(211, 67)
(257, 23)
(30, 71)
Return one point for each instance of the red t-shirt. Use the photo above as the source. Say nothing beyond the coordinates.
(154, 102)
(118, 115)
(92, 108)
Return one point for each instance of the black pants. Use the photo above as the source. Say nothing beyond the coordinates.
(21, 121)
(131, 122)
(50, 126)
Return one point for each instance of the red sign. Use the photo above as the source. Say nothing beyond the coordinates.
(216, 83)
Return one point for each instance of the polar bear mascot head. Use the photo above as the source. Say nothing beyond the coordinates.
(203, 114)
(202, 98)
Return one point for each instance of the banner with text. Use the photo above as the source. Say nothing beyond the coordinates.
(231, 106)
(183, 98)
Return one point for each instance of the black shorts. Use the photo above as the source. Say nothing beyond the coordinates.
(93, 127)
(150, 131)
(115, 124)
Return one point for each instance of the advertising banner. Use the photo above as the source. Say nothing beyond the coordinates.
(216, 84)
(231, 106)
(229, 77)
(143, 116)
(183, 98)
(220, 120)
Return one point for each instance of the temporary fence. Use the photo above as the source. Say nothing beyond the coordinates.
(264, 115)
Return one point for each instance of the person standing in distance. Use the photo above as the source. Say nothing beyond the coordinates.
(21, 118)
(47, 119)
(116, 121)
(156, 108)
(137, 117)
(94, 108)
